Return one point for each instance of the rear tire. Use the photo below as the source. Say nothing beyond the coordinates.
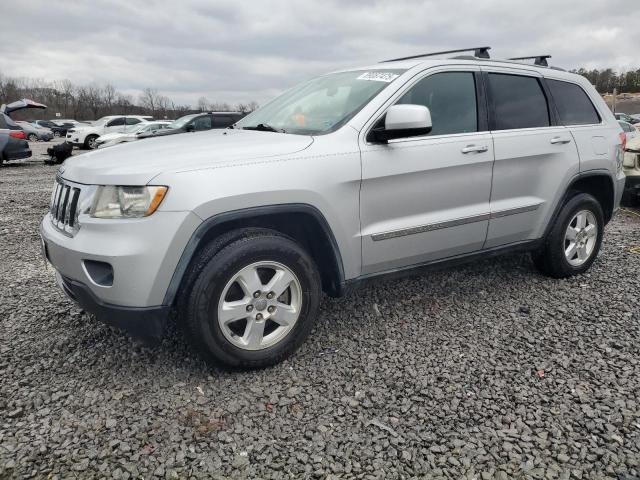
(574, 241)
(32, 137)
(251, 298)
(56, 134)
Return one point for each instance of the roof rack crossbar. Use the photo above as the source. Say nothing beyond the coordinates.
(540, 60)
(478, 52)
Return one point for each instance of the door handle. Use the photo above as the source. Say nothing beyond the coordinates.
(561, 140)
(475, 149)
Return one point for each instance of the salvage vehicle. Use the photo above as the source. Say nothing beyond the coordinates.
(13, 139)
(626, 118)
(381, 170)
(85, 136)
(58, 129)
(34, 132)
(632, 172)
(133, 133)
(198, 122)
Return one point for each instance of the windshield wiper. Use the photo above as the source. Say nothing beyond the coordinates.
(265, 127)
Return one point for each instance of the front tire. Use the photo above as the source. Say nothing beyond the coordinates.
(90, 142)
(252, 299)
(575, 238)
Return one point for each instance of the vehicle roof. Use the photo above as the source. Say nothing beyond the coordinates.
(423, 64)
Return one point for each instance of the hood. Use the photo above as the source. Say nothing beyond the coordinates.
(136, 163)
(19, 105)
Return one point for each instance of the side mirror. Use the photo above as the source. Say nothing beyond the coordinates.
(402, 121)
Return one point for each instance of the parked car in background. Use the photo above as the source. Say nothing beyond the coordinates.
(35, 132)
(130, 134)
(626, 118)
(13, 140)
(630, 131)
(58, 129)
(69, 120)
(197, 122)
(85, 136)
(631, 168)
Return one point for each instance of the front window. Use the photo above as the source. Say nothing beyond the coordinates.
(321, 105)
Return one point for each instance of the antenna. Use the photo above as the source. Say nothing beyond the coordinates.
(478, 52)
(540, 60)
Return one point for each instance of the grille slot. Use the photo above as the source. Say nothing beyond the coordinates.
(64, 207)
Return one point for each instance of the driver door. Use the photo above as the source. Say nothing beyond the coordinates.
(114, 125)
(427, 198)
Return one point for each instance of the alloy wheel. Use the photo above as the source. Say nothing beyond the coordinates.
(580, 238)
(260, 305)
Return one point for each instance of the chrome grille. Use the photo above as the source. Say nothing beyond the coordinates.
(64, 207)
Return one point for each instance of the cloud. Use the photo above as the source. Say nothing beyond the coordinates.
(242, 51)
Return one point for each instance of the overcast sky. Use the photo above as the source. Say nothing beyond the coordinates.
(253, 49)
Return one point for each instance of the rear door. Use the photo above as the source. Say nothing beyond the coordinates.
(535, 156)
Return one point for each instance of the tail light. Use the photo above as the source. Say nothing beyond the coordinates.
(17, 134)
(623, 139)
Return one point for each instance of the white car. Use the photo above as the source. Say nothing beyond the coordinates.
(85, 136)
(130, 134)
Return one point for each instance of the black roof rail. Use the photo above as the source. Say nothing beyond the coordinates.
(478, 52)
(540, 60)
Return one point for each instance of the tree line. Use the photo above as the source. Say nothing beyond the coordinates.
(607, 80)
(90, 102)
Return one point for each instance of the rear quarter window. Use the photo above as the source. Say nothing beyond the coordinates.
(518, 102)
(573, 104)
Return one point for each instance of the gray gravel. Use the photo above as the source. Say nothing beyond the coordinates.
(484, 371)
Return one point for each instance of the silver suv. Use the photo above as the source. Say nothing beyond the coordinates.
(356, 174)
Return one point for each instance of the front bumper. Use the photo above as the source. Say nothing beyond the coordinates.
(144, 323)
(142, 253)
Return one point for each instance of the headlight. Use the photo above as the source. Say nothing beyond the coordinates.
(126, 202)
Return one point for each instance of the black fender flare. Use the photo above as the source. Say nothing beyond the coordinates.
(198, 236)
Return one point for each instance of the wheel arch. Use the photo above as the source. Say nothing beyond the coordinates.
(597, 183)
(302, 222)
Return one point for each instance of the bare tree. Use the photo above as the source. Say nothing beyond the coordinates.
(203, 104)
(149, 100)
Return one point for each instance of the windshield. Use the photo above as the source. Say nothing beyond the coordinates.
(102, 120)
(321, 105)
(182, 121)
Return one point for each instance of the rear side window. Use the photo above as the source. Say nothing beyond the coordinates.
(519, 102)
(451, 99)
(573, 104)
(221, 121)
(133, 121)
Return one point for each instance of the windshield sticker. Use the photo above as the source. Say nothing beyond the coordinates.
(386, 77)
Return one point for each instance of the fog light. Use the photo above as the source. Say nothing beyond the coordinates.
(100, 273)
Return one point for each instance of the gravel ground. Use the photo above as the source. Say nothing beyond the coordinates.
(483, 371)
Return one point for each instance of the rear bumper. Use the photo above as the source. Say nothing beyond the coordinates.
(144, 323)
(17, 154)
